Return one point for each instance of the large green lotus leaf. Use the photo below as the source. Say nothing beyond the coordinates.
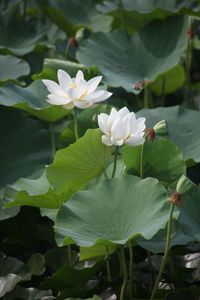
(67, 277)
(36, 264)
(12, 271)
(157, 243)
(25, 146)
(32, 99)
(12, 68)
(182, 127)
(18, 44)
(161, 159)
(157, 8)
(95, 297)
(31, 293)
(190, 213)
(96, 251)
(70, 15)
(133, 15)
(51, 67)
(75, 165)
(169, 82)
(113, 212)
(6, 213)
(33, 192)
(147, 6)
(143, 56)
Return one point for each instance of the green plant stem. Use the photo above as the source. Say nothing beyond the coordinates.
(105, 175)
(24, 9)
(67, 50)
(163, 91)
(53, 143)
(151, 269)
(146, 98)
(76, 123)
(141, 161)
(120, 264)
(69, 252)
(115, 162)
(125, 274)
(124, 23)
(108, 265)
(189, 82)
(131, 267)
(167, 248)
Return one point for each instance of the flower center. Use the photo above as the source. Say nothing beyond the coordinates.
(83, 95)
(73, 85)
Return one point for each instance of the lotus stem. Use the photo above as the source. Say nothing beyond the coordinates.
(131, 267)
(69, 252)
(115, 163)
(125, 274)
(141, 162)
(53, 143)
(108, 265)
(67, 50)
(24, 9)
(163, 90)
(76, 123)
(166, 254)
(187, 66)
(146, 98)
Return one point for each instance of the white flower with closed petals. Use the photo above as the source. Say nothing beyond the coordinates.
(76, 91)
(122, 127)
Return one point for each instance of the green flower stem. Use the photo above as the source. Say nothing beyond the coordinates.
(115, 162)
(166, 254)
(76, 123)
(53, 143)
(141, 162)
(77, 137)
(105, 175)
(163, 90)
(125, 274)
(67, 50)
(108, 265)
(24, 9)
(131, 267)
(123, 16)
(187, 66)
(146, 98)
(151, 269)
(120, 264)
(69, 252)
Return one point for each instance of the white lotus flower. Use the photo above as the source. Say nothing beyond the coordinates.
(76, 91)
(122, 127)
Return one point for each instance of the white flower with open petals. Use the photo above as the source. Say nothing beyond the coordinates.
(122, 127)
(76, 91)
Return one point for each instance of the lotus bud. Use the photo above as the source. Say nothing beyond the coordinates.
(184, 185)
(81, 34)
(161, 128)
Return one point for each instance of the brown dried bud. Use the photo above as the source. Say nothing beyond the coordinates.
(190, 33)
(176, 199)
(150, 134)
(138, 86)
(73, 42)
